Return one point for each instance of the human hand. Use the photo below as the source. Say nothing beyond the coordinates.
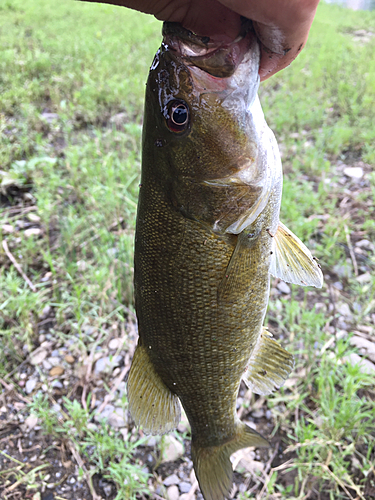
(282, 26)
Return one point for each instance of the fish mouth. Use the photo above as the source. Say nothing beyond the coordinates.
(217, 57)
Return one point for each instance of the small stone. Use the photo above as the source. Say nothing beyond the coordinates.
(364, 278)
(56, 384)
(7, 228)
(343, 271)
(45, 312)
(107, 364)
(107, 488)
(257, 413)
(366, 244)
(108, 410)
(30, 422)
(56, 371)
(357, 307)
(320, 307)
(33, 217)
(173, 492)
(33, 231)
(46, 277)
(365, 365)
(151, 441)
(344, 309)
(82, 265)
(338, 285)
(366, 329)
(172, 449)
(49, 117)
(341, 334)
(251, 424)
(38, 356)
(69, 359)
(173, 479)
(283, 287)
(184, 487)
(54, 360)
(30, 385)
(183, 425)
(115, 343)
(342, 325)
(117, 419)
(192, 476)
(159, 489)
(46, 365)
(355, 173)
(268, 414)
(366, 347)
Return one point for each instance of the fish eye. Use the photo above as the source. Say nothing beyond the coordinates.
(178, 115)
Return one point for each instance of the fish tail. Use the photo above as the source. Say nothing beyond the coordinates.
(212, 464)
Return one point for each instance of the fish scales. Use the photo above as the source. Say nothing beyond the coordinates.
(208, 238)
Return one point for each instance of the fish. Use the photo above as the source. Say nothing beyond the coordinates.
(208, 238)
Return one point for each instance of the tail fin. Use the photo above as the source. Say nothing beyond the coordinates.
(213, 467)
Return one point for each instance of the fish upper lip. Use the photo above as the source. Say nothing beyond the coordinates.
(217, 57)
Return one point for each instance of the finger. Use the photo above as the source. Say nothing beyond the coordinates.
(278, 51)
(282, 27)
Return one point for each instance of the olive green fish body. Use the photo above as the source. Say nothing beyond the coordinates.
(207, 238)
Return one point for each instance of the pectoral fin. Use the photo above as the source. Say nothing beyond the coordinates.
(293, 261)
(151, 403)
(244, 259)
(269, 366)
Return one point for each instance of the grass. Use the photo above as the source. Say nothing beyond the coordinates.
(71, 95)
(107, 451)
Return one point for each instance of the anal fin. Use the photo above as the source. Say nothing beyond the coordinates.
(151, 404)
(269, 365)
(293, 261)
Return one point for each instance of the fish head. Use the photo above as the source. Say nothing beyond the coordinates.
(199, 128)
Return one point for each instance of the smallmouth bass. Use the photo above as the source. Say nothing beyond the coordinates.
(208, 238)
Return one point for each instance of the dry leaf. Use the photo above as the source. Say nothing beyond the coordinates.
(56, 371)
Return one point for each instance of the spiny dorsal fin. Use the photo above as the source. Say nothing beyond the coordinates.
(269, 365)
(213, 466)
(151, 403)
(293, 261)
